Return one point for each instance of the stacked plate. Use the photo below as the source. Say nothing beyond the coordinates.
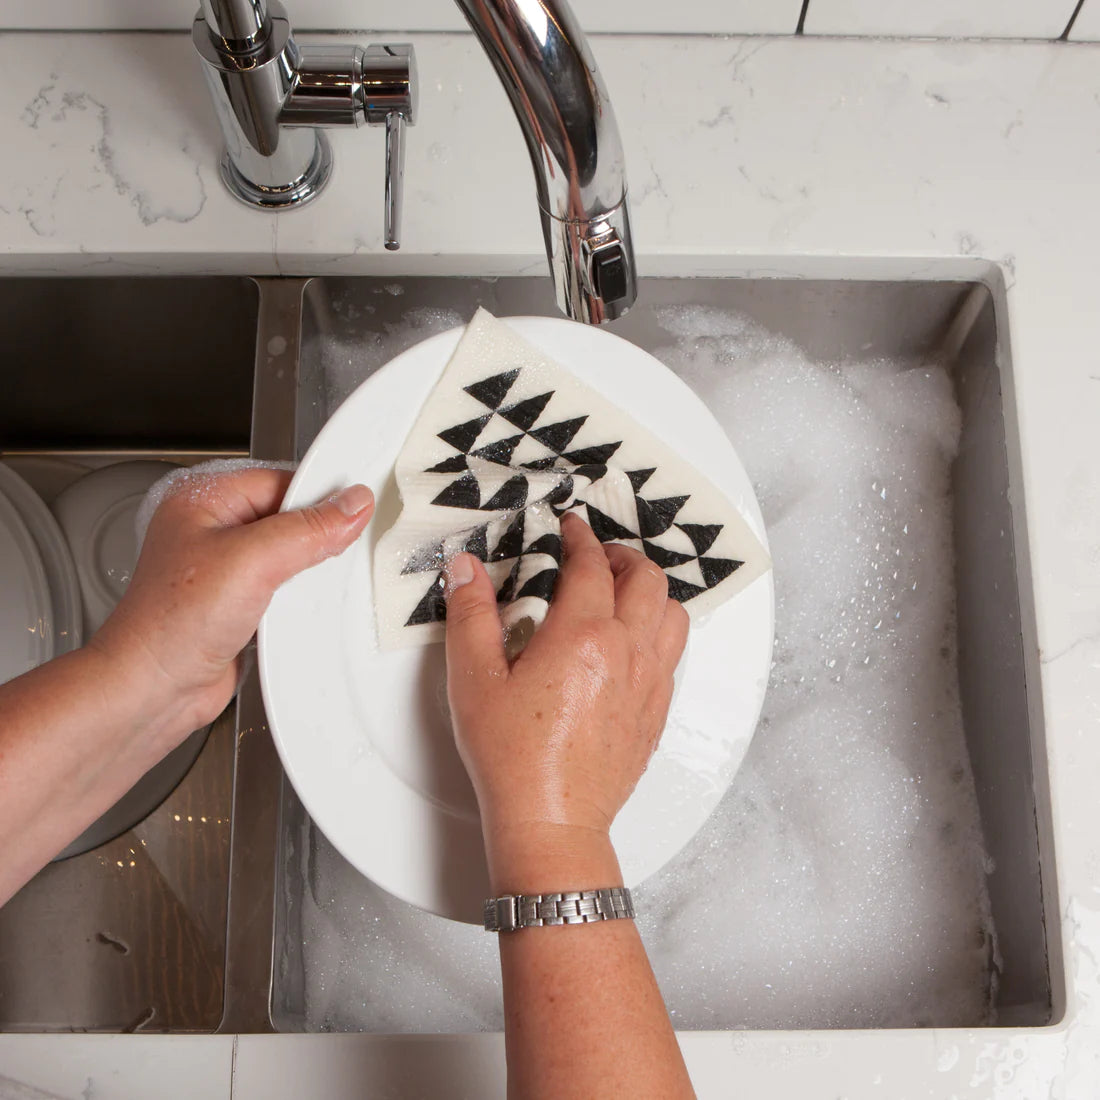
(61, 573)
(40, 615)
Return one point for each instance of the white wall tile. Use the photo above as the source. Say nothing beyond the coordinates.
(1086, 27)
(651, 16)
(941, 18)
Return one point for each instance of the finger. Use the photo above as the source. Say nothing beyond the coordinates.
(641, 590)
(672, 635)
(229, 499)
(586, 585)
(252, 494)
(282, 545)
(475, 639)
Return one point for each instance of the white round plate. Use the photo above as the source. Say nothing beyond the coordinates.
(26, 638)
(65, 622)
(46, 475)
(97, 514)
(365, 735)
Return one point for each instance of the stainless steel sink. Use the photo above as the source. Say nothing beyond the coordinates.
(188, 942)
(131, 934)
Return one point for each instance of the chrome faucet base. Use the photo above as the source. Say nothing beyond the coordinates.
(273, 96)
(296, 193)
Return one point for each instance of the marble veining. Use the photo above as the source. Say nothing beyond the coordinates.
(784, 157)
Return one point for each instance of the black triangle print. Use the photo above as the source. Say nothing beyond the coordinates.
(540, 463)
(666, 559)
(499, 452)
(424, 558)
(561, 492)
(506, 590)
(463, 436)
(524, 414)
(558, 436)
(453, 465)
(478, 543)
(702, 535)
(655, 516)
(716, 570)
(639, 477)
(593, 473)
(464, 493)
(432, 608)
(594, 456)
(511, 495)
(682, 590)
(492, 391)
(605, 528)
(549, 544)
(511, 542)
(540, 585)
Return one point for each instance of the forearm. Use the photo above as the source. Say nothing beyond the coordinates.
(75, 735)
(583, 1014)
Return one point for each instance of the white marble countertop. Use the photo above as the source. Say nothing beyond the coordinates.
(780, 156)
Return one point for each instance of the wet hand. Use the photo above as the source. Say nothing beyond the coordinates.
(216, 550)
(556, 741)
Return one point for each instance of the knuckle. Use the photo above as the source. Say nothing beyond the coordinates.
(316, 524)
(463, 609)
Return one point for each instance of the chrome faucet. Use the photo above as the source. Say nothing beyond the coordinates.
(273, 98)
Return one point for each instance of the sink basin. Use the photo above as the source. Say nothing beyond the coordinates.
(131, 934)
(186, 924)
(349, 326)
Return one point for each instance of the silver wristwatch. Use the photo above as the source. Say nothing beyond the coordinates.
(512, 912)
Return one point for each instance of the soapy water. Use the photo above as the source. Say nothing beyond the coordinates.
(841, 881)
(192, 480)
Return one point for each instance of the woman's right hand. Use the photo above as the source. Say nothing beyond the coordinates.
(556, 741)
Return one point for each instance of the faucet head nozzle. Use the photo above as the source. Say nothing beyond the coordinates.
(592, 264)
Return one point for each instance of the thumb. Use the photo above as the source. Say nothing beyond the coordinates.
(475, 639)
(282, 545)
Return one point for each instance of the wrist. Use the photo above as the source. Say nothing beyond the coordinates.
(147, 716)
(538, 858)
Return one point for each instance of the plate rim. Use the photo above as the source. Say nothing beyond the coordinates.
(66, 605)
(301, 491)
(25, 546)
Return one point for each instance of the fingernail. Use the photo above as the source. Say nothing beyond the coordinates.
(353, 500)
(460, 571)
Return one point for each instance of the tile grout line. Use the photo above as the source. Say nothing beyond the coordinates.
(233, 1068)
(1072, 19)
(800, 28)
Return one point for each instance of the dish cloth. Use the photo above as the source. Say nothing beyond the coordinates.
(508, 442)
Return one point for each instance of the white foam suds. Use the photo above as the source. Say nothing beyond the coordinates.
(841, 881)
(191, 479)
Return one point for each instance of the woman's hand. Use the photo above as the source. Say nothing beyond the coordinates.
(215, 552)
(554, 744)
(556, 741)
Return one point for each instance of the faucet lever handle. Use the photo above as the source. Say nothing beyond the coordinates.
(395, 177)
(389, 96)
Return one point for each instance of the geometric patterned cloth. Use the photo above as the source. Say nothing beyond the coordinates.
(506, 444)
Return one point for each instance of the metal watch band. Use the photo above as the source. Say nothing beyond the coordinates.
(515, 911)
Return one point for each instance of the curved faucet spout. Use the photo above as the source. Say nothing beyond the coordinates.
(544, 62)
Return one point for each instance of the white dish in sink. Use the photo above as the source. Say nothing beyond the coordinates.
(364, 735)
(65, 622)
(26, 638)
